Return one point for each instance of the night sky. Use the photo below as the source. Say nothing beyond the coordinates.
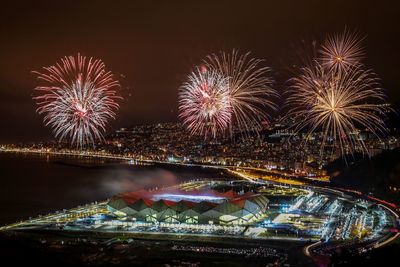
(152, 45)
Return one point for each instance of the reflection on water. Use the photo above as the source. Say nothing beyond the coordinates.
(35, 184)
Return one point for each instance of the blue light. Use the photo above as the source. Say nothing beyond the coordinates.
(193, 198)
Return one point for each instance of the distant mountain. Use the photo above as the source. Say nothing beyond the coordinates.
(371, 175)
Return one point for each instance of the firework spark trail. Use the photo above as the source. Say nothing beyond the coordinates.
(204, 103)
(341, 52)
(250, 88)
(78, 98)
(335, 102)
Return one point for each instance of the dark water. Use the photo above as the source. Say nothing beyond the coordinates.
(34, 184)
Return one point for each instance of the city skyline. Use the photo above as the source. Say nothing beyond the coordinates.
(152, 62)
(200, 133)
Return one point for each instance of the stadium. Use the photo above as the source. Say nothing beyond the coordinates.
(193, 206)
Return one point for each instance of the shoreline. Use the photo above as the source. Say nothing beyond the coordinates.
(307, 249)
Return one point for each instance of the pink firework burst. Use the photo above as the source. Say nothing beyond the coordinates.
(204, 104)
(77, 98)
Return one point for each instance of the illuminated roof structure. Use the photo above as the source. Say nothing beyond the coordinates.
(201, 206)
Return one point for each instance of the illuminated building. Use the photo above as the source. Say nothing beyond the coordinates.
(205, 206)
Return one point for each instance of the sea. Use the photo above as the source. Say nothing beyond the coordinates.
(36, 184)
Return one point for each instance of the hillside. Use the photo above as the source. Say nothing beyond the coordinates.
(376, 175)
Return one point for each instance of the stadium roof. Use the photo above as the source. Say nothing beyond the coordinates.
(173, 197)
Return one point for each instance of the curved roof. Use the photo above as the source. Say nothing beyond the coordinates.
(193, 206)
(174, 197)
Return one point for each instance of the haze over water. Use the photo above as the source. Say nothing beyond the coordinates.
(38, 184)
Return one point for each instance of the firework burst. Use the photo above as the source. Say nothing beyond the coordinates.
(341, 52)
(204, 103)
(77, 99)
(335, 103)
(250, 88)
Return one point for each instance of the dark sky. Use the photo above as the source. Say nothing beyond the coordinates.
(154, 44)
